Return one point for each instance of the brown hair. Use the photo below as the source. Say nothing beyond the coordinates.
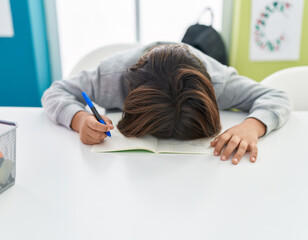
(170, 96)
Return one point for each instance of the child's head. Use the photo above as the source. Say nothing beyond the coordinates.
(170, 96)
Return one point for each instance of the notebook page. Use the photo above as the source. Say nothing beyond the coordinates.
(198, 146)
(118, 142)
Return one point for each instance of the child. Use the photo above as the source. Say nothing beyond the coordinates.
(169, 91)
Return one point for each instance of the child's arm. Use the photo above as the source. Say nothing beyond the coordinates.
(90, 130)
(104, 85)
(270, 106)
(268, 109)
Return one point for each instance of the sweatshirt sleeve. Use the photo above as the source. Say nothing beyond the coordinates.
(63, 99)
(104, 85)
(270, 106)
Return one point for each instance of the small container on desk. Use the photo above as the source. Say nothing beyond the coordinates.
(7, 154)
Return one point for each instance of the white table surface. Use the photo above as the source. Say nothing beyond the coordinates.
(63, 191)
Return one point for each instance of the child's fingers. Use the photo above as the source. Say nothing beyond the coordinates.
(92, 140)
(241, 150)
(97, 135)
(107, 121)
(96, 125)
(232, 145)
(214, 142)
(254, 152)
(222, 141)
(87, 139)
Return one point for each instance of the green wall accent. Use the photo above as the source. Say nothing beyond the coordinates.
(239, 55)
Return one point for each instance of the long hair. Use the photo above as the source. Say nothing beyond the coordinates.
(170, 96)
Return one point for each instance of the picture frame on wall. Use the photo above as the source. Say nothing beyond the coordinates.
(275, 30)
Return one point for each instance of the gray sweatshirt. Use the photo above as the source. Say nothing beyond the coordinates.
(106, 87)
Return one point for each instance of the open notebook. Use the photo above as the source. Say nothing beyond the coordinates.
(118, 142)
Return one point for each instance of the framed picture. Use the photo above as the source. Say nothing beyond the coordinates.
(275, 30)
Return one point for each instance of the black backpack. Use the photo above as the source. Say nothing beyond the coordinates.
(207, 39)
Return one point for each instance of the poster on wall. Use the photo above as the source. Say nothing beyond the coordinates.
(6, 24)
(275, 30)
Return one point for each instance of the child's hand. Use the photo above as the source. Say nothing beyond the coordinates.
(90, 130)
(242, 138)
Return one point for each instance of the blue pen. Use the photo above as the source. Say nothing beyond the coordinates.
(93, 109)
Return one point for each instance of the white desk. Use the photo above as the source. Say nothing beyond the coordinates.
(63, 191)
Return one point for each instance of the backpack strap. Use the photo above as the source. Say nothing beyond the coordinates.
(208, 9)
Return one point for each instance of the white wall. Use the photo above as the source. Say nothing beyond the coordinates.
(86, 25)
(169, 19)
(6, 23)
